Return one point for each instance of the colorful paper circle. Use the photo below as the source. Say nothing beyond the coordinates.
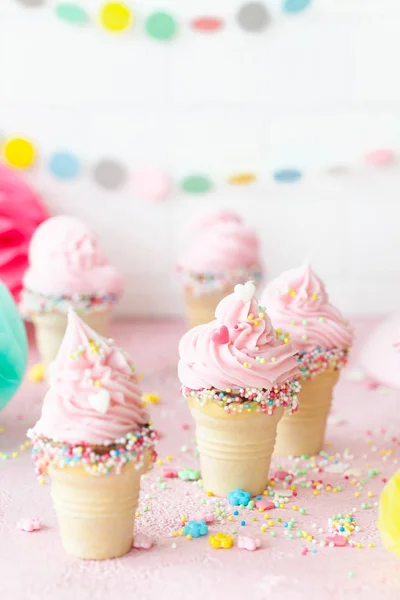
(151, 184)
(196, 184)
(64, 165)
(287, 175)
(72, 13)
(207, 24)
(19, 152)
(380, 157)
(109, 174)
(253, 17)
(242, 178)
(161, 26)
(116, 17)
(31, 3)
(294, 6)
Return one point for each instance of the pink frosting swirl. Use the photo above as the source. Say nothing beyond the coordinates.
(239, 349)
(220, 244)
(298, 304)
(65, 259)
(94, 394)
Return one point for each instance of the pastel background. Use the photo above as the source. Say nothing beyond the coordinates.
(314, 91)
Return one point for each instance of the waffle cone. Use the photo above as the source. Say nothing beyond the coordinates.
(50, 329)
(304, 432)
(96, 513)
(235, 450)
(201, 309)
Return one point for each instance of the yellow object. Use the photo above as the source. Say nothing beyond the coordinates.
(19, 152)
(242, 178)
(151, 398)
(36, 374)
(116, 16)
(389, 514)
(221, 540)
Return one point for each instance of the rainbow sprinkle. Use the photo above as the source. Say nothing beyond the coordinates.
(105, 460)
(33, 303)
(249, 399)
(200, 284)
(319, 360)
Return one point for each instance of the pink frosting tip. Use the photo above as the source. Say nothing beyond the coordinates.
(65, 259)
(298, 304)
(219, 242)
(94, 395)
(252, 356)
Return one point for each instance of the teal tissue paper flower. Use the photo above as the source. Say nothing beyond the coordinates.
(13, 347)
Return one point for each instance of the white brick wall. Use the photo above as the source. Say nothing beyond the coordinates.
(316, 89)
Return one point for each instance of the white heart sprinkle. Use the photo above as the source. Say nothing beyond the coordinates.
(100, 402)
(245, 292)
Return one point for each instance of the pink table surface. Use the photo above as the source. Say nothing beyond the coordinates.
(33, 566)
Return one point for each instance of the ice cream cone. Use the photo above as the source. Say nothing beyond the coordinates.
(304, 431)
(201, 309)
(50, 329)
(96, 513)
(94, 440)
(235, 451)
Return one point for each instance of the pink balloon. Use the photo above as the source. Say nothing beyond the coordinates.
(21, 211)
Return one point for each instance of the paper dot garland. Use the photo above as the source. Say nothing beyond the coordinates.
(196, 184)
(153, 183)
(19, 153)
(287, 175)
(109, 174)
(71, 13)
(253, 17)
(207, 24)
(161, 26)
(64, 165)
(295, 6)
(31, 3)
(116, 17)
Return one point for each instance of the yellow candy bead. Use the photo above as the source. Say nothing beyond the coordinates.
(36, 374)
(389, 514)
(221, 540)
(150, 399)
(19, 152)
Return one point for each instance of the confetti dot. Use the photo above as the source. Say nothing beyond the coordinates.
(295, 6)
(253, 17)
(31, 3)
(19, 152)
(151, 184)
(115, 16)
(380, 157)
(196, 184)
(109, 174)
(64, 165)
(242, 178)
(287, 175)
(207, 24)
(72, 13)
(161, 26)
